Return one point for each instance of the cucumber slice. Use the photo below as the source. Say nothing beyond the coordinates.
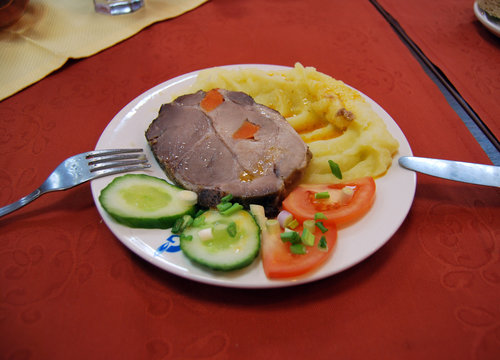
(143, 201)
(222, 242)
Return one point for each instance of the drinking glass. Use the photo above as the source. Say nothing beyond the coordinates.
(11, 11)
(117, 7)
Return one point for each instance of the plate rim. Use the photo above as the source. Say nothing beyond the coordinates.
(142, 251)
(484, 19)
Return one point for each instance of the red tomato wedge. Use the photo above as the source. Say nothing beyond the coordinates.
(345, 202)
(280, 263)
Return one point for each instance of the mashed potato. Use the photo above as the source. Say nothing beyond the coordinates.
(332, 118)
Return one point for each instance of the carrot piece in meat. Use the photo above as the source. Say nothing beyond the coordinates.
(212, 99)
(246, 131)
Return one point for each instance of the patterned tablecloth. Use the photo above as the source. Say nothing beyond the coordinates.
(51, 32)
(70, 290)
(467, 53)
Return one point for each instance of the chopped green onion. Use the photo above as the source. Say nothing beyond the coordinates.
(284, 218)
(186, 237)
(227, 198)
(231, 229)
(319, 216)
(188, 220)
(177, 226)
(273, 226)
(293, 224)
(182, 223)
(234, 208)
(259, 214)
(348, 190)
(199, 212)
(223, 206)
(307, 237)
(198, 221)
(291, 236)
(309, 225)
(298, 249)
(322, 195)
(322, 227)
(335, 169)
(322, 244)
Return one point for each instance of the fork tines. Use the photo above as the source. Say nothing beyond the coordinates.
(117, 160)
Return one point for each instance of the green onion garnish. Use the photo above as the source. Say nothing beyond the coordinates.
(185, 237)
(291, 236)
(322, 227)
(234, 208)
(188, 220)
(223, 206)
(177, 226)
(335, 169)
(322, 195)
(292, 224)
(199, 212)
(182, 223)
(322, 244)
(198, 221)
(227, 198)
(307, 237)
(310, 225)
(298, 249)
(231, 229)
(273, 226)
(319, 216)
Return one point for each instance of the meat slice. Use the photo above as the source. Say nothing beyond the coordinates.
(197, 150)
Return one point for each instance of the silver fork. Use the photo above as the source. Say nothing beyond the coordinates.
(84, 167)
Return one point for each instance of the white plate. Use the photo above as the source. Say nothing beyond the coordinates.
(488, 21)
(395, 192)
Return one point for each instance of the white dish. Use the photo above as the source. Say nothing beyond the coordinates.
(488, 21)
(395, 192)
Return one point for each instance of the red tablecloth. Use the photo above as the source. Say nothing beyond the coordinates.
(452, 37)
(70, 290)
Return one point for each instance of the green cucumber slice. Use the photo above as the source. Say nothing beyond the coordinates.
(143, 201)
(226, 249)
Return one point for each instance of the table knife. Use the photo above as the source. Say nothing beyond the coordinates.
(488, 175)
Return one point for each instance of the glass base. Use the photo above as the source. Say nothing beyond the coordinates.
(117, 7)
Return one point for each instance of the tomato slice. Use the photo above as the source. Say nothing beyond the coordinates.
(280, 263)
(347, 201)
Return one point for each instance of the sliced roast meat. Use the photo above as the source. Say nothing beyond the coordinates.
(199, 151)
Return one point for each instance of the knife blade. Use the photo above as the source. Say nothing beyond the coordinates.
(479, 174)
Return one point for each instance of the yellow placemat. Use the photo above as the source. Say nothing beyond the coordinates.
(52, 31)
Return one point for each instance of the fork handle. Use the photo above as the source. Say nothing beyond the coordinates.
(20, 203)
